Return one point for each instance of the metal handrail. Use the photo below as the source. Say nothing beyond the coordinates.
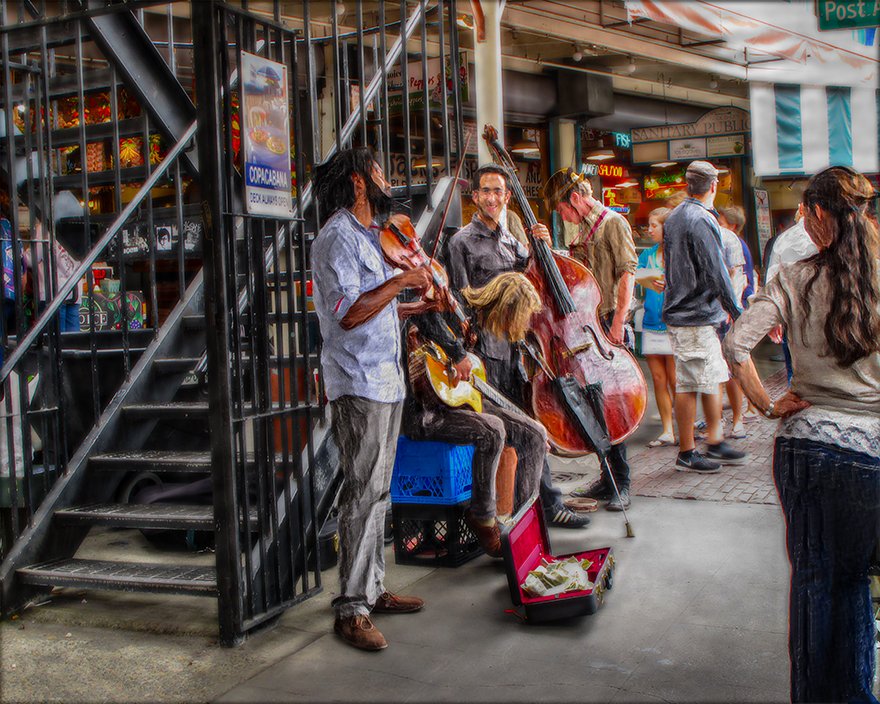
(96, 251)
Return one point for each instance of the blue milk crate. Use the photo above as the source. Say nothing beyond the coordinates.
(427, 472)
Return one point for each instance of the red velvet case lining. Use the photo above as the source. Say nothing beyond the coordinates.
(527, 546)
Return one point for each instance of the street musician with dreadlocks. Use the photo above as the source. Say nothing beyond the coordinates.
(355, 295)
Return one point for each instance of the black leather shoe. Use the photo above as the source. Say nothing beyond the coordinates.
(598, 490)
(619, 503)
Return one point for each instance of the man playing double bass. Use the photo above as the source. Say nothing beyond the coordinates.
(477, 254)
(604, 245)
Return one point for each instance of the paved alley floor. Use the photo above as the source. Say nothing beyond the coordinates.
(697, 614)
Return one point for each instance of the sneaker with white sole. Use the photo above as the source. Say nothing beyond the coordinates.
(725, 454)
(695, 462)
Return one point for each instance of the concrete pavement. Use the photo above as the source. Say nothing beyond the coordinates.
(697, 613)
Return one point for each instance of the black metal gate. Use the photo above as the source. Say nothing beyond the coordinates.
(263, 364)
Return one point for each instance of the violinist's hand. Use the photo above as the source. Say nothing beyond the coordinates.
(462, 370)
(542, 233)
(419, 278)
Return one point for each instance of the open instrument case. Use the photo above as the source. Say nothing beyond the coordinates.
(524, 544)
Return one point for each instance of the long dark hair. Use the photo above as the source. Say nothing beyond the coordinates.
(852, 329)
(332, 180)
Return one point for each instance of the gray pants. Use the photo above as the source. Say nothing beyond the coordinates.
(366, 433)
(488, 432)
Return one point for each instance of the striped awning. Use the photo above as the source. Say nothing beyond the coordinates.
(801, 129)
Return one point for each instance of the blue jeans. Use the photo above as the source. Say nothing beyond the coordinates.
(68, 316)
(831, 500)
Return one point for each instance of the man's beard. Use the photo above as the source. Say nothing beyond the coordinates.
(380, 202)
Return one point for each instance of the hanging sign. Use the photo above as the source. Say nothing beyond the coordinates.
(681, 149)
(847, 14)
(415, 88)
(266, 136)
(762, 217)
(715, 122)
(726, 145)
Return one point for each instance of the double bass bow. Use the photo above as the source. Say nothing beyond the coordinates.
(572, 352)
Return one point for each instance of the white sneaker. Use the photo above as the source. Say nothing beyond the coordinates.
(738, 431)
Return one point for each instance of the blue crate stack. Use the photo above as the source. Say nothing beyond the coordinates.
(430, 491)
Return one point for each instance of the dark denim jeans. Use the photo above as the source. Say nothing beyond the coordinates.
(831, 501)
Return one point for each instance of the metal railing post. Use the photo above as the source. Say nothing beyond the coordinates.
(208, 88)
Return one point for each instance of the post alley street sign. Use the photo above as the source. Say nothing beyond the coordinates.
(847, 14)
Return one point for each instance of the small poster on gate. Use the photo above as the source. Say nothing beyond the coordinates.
(265, 118)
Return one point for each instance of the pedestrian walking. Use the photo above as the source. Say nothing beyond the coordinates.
(698, 298)
(655, 340)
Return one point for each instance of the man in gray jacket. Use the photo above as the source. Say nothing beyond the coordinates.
(699, 298)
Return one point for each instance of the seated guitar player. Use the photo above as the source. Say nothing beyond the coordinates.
(504, 306)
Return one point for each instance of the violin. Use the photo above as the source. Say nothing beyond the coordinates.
(402, 247)
(569, 345)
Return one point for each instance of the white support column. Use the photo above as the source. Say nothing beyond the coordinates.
(564, 141)
(487, 66)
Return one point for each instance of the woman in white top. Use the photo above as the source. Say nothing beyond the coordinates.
(827, 457)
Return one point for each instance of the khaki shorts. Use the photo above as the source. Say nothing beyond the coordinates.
(699, 362)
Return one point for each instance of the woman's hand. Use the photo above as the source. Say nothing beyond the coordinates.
(658, 285)
(788, 405)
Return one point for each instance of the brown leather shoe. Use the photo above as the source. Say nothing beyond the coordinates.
(489, 537)
(389, 603)
(359, 631)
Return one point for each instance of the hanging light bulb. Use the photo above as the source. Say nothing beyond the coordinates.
(577, 56)
(631, 67)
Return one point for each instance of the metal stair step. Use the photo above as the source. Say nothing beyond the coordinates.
(101, 352)
(193, 322)
(152, 460)
(171, 365)
(124, 576)
(141, 516)
(180, 410)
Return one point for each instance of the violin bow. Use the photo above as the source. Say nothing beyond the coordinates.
(449, 200)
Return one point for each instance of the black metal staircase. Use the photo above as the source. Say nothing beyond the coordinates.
(270, 470)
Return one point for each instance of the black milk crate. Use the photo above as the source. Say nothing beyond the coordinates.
(433, 534)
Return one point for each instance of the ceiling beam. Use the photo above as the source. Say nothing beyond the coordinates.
(544, 18)
(636, 86)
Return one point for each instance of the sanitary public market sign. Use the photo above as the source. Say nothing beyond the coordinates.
(847, 14)
(715, 122)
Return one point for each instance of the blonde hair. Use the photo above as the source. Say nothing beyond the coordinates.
(660, 214)
(505, 305)
(735, 216)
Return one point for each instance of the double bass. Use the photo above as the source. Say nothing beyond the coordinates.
(576, 363)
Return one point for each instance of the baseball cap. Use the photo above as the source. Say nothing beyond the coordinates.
(703, 168)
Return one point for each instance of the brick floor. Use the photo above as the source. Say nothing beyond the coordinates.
(654, 474)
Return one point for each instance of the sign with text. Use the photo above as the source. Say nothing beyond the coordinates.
(664, 184)
(608, 170)
(680, 149)
(266, 136)
(847, 14)
(715, 122)
(726, 145)
(416, 84)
